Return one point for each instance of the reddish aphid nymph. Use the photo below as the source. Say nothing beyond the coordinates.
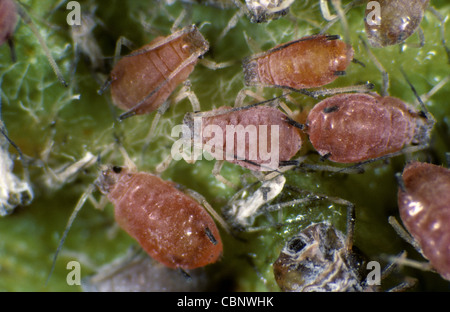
(170, 226)
(251, 127)
(8, 19)
(143, 80)
(355, 127)
(424, 205)
(308, 62)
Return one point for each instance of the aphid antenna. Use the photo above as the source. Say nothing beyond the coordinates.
(87, 194)
(430, 119)
(341, 15)
(27, 19)
(362, 88)
(404, 234)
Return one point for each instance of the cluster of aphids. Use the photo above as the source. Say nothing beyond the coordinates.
(172, 225)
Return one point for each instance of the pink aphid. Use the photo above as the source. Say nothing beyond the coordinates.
(355, 127)
(248, 136)
(170, 226)
(424, 205)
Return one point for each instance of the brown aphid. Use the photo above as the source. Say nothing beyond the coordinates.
(424, 205)
(143, 80)
(249, 127)
(398, 19)
(308, 62)
(355, 127)
(170, 226)
(8, 20)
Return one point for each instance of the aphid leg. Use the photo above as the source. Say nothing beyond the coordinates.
(407, 282)
(442, 20)
(213, 65)
(27, 19)
(239, 102)
(404, 234)
(164, 164)
(384, 73)
(216, 173)
(436, 88)
(341, 14)
(326, 11)
(202, 200)
(74, 214)
(234, 19)
(182, 94)
(128, 162)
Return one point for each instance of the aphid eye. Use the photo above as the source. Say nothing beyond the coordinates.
(296, 245)
(117, 169)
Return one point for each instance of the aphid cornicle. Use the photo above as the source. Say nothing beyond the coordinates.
(143, 80)
(398, 20)
(351, 128)
(308, 62)
(170, 226)
(424, 206)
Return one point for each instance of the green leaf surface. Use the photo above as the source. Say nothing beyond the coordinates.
(56, 126)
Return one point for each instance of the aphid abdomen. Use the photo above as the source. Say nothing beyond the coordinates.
(8, 19)
(169, 225)
(286, 137)
(424, 207)
(306, 63)
(357, 127)
(135, 77)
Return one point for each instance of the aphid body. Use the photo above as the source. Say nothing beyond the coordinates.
(317, 259)
(252, 129)
(8, 19)
(247, 204)
(308, 62)
(143, 80)
(261, 11)
(349, 128)
(424, 205)
(171, 227)
(398, 20)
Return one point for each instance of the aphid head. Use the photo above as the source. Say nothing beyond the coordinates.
(109, 176)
